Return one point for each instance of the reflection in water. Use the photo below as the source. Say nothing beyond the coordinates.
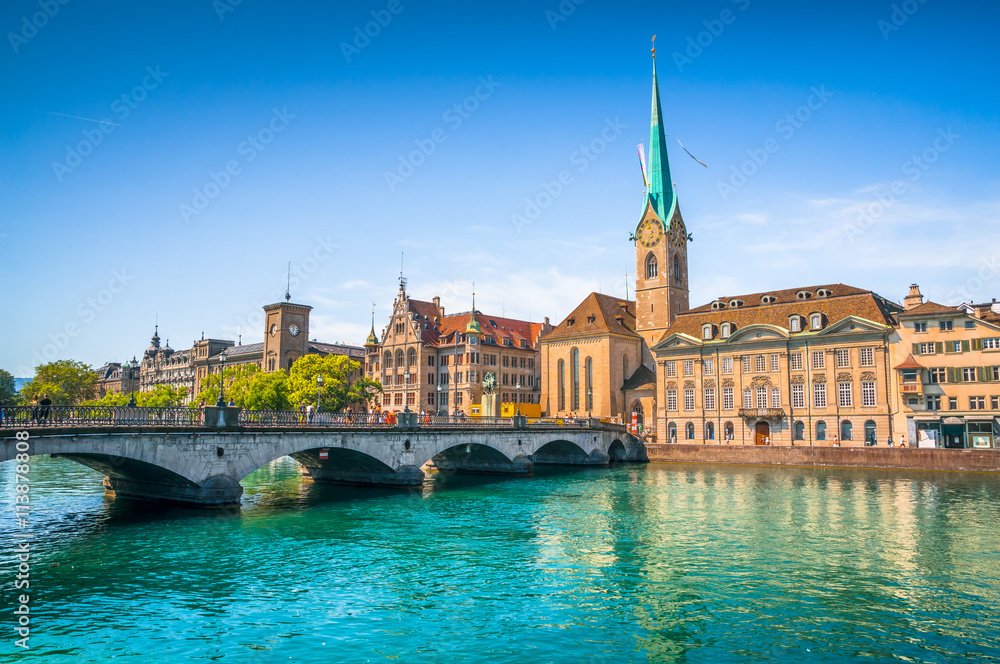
(628, 564)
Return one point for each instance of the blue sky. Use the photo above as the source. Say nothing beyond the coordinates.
(94, 246)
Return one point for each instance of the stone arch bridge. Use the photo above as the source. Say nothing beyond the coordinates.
(203, 464)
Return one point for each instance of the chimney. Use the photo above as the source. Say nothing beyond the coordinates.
(437, 305)
(914, 299)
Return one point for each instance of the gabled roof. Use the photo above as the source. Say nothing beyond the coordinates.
(909, 363)
(642, 378)
(436, 331)
(598, 314)
(929, 309)
(841, 302)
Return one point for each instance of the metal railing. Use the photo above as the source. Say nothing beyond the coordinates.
(290, 419)
(69, 417)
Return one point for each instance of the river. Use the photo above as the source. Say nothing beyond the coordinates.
(636, 563)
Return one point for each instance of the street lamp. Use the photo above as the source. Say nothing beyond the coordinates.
(517, 386)
(406, 382)
(131, 382)
(221, 403)
(319, 391)
(590, 401)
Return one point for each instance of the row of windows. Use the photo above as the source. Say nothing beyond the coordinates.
(575, 385)
(762, 397)
(975, 402)
(955, 346)
(772, 362)
(798, 430)
(796, 323)
(945, 326)
(938, 375)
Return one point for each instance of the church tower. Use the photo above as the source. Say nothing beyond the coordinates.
(286, 334)
(661, 265)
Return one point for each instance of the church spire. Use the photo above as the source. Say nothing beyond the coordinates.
(660, 193)
(473, 326)
(372, 341)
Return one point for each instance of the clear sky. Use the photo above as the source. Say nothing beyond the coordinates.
(873, 126)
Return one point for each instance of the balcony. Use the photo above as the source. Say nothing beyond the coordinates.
(762, 413)
(911, 388)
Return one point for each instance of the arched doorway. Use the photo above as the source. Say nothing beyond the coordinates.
(871, 433)
(636, 418)
(762, 433)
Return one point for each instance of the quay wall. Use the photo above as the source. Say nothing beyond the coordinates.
(833, 457)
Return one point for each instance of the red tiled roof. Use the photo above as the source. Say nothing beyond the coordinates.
(929, 309)
(597, 314)
(909, 363)
(441, 332)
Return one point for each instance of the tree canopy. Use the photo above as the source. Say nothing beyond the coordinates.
(8, 395)
(67, 383)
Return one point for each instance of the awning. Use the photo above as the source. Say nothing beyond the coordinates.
(954, 420)
(979, 418)
(926, 418)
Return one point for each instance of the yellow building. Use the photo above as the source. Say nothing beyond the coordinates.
(802, 366)
(947, 373)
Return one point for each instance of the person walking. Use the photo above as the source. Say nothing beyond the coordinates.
(310, 411)
(34, 408)
(46, 407)
(889, 441)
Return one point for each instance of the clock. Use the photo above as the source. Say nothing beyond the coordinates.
(677, 234)
(293, 330)
(649, 232)
(274, 329)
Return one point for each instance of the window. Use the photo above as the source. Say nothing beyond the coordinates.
(800, 430)
(798, 396)
(795, 361)
(946, 325)
(561, 384)
(775, 362)
(843, 356)
(671, 399)
(710, 431)
(821, 430)
(845, 396)
(688, 367)
(677, 274)
(747, 399)
(819, 395)
(867, 356)
(746, 364)
(727, 365)
(575, 368)
(818, 359)
(652, 270)
(956, 346)
(760, 363)
(709, 398)
(991, 344)
(867, 394)
(970, 324)
(726, 330)
(689, 399)
(952, 403)
(977, 403)
(708, 366)
(794, 324)
(933, 403)
(992, 373)
(994, 403)
(816, 321)
(727, 398)
(775, 398)
(689, 429)
(846, 430)
(729, 430)
(589, 367)
(762, 397)
(968, 374)
(925, 348)
(672, 432)
(706, 332)
(920, 327)
(671, 367)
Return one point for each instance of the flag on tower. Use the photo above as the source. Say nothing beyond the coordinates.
(642, 165)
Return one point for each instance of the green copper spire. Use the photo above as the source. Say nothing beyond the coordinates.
(473, 326)
(372, 338)
(660, 193)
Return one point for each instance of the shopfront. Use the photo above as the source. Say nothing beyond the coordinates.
(979, 432)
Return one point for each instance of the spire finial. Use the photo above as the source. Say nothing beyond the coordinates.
(288, 284)
(654, 45)
(473, 325)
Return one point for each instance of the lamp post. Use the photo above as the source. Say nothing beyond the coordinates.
(221, 403)
(517, 387)
(590, 401)
(131, 382)
(319, 391)
(406, 383)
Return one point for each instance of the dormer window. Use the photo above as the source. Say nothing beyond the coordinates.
(795, 324)
(824, 292)
(735, 303)
(706, 331)
(768, 299)
(816, 322)
(727, 329)
(570, 322)
(718, 305)
(591, 318)
(803, 295)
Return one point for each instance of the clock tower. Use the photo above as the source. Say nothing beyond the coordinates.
(286, 334)
(661, 266)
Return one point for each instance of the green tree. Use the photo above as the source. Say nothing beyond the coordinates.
(109, 399)
(268, 391)
(8, 395)
(161, 396)
(338, 390)
(67, 383)
(237, 385)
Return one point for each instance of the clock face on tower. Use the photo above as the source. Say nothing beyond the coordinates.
(293, 330)
(677, 234)
(649, 232)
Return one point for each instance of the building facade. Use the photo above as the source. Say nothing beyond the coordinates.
(114, 378)
(947, 373)
(806, 366)
(431, 362)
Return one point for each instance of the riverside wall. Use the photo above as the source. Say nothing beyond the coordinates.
(832, 457)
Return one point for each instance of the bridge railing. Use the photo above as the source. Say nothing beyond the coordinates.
(72, 417)
(461, 421)
(290, 419)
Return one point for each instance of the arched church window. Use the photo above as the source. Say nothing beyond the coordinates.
(677, 268)
(652, 270)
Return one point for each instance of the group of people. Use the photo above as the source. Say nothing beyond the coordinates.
(41, 408)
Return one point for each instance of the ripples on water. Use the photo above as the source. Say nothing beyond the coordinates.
(631, 564)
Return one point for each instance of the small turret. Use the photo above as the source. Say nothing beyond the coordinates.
(473, 326)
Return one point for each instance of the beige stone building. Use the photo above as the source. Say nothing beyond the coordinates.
(428, 361)
(947, 373)
(803, 366)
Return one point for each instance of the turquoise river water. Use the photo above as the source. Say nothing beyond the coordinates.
(636, 563)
